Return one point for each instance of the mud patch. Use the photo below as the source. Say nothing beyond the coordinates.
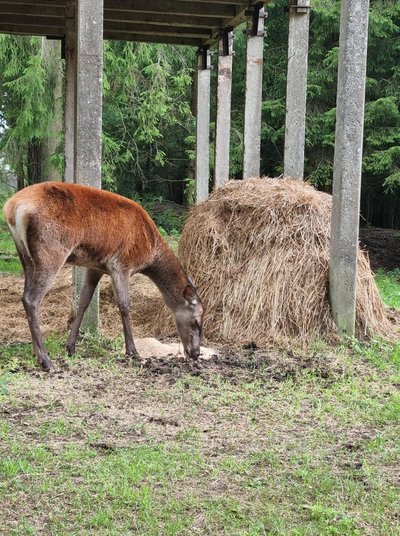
(245, 365)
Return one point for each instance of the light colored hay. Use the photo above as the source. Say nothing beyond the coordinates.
(258, 252)
(56, 310)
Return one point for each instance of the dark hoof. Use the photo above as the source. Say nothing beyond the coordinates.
(46, 365)
(133, 355)
(131, 359)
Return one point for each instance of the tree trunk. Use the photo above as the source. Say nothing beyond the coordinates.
(34, 161)
(50, 145)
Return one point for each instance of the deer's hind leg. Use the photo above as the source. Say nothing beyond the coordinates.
(39, 277)
(27, 265)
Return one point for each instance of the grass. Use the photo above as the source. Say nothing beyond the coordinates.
(389, 287)
(102, 448)
(9, 261)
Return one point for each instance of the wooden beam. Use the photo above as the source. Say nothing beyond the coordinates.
(162, 19)
(33, 10)
(160, 39)
(225, 2)
(46, 3)
(191, 22)
(18, 29)
(34, 20)
(151, 29)
(177, 7)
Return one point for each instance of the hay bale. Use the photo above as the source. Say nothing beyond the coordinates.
(258, 252)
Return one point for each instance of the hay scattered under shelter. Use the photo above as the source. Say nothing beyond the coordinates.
(258, 252)
(56, 310)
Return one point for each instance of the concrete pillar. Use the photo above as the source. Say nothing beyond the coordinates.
(347, 162)
(296, 88)
(70, 92)
(223, 119)
(89, 18)
(253, 95)
(203, 125)
(88, 125)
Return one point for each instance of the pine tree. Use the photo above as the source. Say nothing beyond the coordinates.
(26, 105)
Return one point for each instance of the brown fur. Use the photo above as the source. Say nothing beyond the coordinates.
(53, 223)
(100, 224)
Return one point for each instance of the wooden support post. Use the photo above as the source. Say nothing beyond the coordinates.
(223, 119)
(88, 124)
(296, 88)
(203, 125)
(253, 96)
(70, 91)
(347, 162)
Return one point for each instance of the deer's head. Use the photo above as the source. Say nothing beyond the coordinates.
(189, 321)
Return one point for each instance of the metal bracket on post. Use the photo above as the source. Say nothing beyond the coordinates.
(256, 14)
(204, 54)
(226, 41)
(299, 6)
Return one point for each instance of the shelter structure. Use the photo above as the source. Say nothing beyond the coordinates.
(83, 24)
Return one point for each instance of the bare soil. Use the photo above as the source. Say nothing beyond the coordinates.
(137, 401)
(383, 247)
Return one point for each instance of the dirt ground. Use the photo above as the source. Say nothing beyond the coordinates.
(383, 246)
(141, 401)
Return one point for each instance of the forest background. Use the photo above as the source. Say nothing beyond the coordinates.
(149, 110)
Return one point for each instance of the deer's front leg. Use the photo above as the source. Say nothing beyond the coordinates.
(120, 281)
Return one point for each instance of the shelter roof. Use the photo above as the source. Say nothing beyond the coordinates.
(187, 22)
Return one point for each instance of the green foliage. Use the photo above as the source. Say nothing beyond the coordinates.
(381, 164)
(148, 136)
(26, 100)
(9, 261)
(167, 216)
(146, 116)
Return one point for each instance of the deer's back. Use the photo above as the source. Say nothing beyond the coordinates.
(90, 222)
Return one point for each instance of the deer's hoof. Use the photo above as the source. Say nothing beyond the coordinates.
(46, 364)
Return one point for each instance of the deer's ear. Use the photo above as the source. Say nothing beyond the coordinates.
(190, 295)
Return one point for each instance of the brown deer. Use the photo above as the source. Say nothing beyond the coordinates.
(53, 223)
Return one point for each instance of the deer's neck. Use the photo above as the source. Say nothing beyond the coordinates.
(167, 273)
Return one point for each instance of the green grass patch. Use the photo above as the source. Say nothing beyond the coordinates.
(9, 260)
(389, 287)
(126, 451)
